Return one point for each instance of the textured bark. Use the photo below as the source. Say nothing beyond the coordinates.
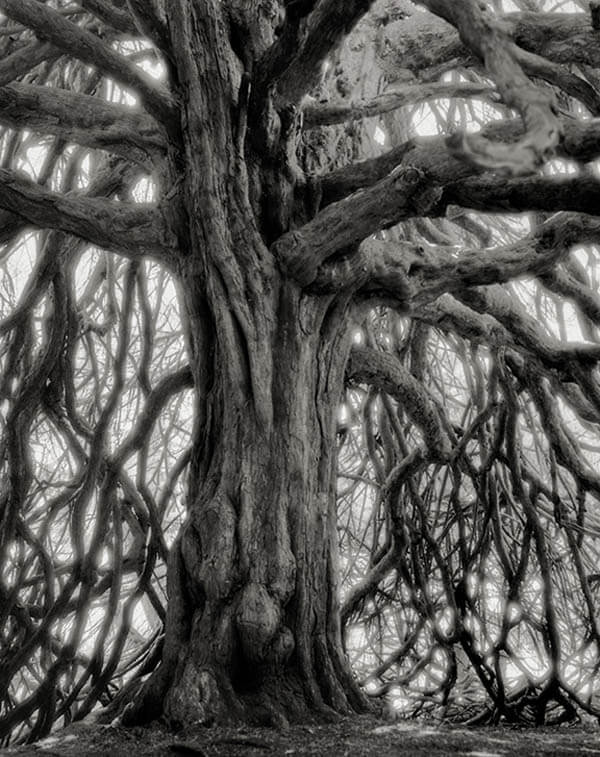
(253, 629)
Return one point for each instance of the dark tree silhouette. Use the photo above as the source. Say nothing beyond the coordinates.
(261, 340)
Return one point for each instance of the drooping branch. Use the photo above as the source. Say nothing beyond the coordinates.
(566, 448)
(132, 229)
(87, 47)
(111, 179)
(406, 191)
(80, 118)
(408, 466)
(552, 362)
(488, 316)
(384, 371)
(484, 34)
(166, 388)
(561, 282)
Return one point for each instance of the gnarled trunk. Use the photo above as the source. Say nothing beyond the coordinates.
(253, 619)
(253, 628)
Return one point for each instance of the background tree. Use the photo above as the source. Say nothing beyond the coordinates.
(229, 261)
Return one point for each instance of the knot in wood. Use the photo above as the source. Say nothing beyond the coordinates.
(406, 176)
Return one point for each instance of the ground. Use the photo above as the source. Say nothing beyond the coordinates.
(354, 737)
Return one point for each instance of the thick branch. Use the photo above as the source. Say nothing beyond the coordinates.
(414, 275)
(580, 142)
(484, 34)
(403, 193)
(150, 24)
(488, 316)
(327, 26)
(80, 118)
(496, 302)
(134, 230)
(421, 42)
(87, 47)
(119, 19)
(320, 114)
(383, 371)
(25, 59)
(496, 195)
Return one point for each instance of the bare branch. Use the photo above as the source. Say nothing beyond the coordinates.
(498, 195)
(412, 275)
(411, 464)
(111, 15)
(586, 298)
(422, 44)
(155, 403)
(80, 118)
(134, 230)
(485, 35)
(24, 59)
(148, 21)
(494, 301)
(319, 114)
(404, 192)
(384, 371)
(580, 142)
(487, 315)
(87, 47)
(327, 26)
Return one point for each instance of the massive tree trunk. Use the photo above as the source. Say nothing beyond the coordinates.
(253, 628)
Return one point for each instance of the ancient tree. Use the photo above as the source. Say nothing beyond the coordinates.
(262, 337)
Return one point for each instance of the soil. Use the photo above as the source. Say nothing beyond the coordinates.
(352, 737)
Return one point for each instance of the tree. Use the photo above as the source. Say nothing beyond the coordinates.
(257, 155)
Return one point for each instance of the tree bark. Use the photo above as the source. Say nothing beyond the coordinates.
(253, 629)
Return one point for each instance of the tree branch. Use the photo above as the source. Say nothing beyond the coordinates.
(326, 27)
(131, 229)
(412, 275)
(119, 19)
(403, 193)
(486, 36)
(385, 372)
(546, 193)
(421, 43)
(81, 119)
(150, 24)
(487, 316)
(166, 388)
(25, 59)
(580, 142)
(494, 301)
(321, 114)
(87, 47)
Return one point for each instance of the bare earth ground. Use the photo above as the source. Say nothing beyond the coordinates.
(354, 737)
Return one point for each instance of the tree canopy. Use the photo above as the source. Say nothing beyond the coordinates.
(299, 333)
